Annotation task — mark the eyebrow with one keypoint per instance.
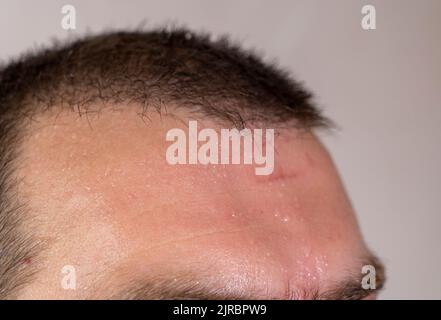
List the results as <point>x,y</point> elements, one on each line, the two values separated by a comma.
<point>352,288</point>
<point>191,286</point>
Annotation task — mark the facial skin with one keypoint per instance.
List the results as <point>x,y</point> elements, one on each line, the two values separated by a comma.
<point>105,201</point>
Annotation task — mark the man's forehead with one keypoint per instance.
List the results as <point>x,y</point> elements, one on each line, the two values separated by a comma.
<point>106,177</point>
<point>120,156</point>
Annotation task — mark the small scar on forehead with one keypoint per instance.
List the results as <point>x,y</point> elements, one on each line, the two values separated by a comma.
<point>280,174</point>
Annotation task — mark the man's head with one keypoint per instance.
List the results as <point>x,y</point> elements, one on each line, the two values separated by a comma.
<point>84,180</point>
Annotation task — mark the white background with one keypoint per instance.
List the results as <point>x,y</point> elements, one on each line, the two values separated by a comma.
<point>382,87</point>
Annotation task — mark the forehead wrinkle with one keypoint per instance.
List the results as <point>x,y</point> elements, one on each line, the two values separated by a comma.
<point>198,235</point>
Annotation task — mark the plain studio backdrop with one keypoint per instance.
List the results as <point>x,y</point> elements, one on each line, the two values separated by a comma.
<point>382,87</point>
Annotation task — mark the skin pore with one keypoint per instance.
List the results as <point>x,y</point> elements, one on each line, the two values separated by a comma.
<point>105,201</point>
